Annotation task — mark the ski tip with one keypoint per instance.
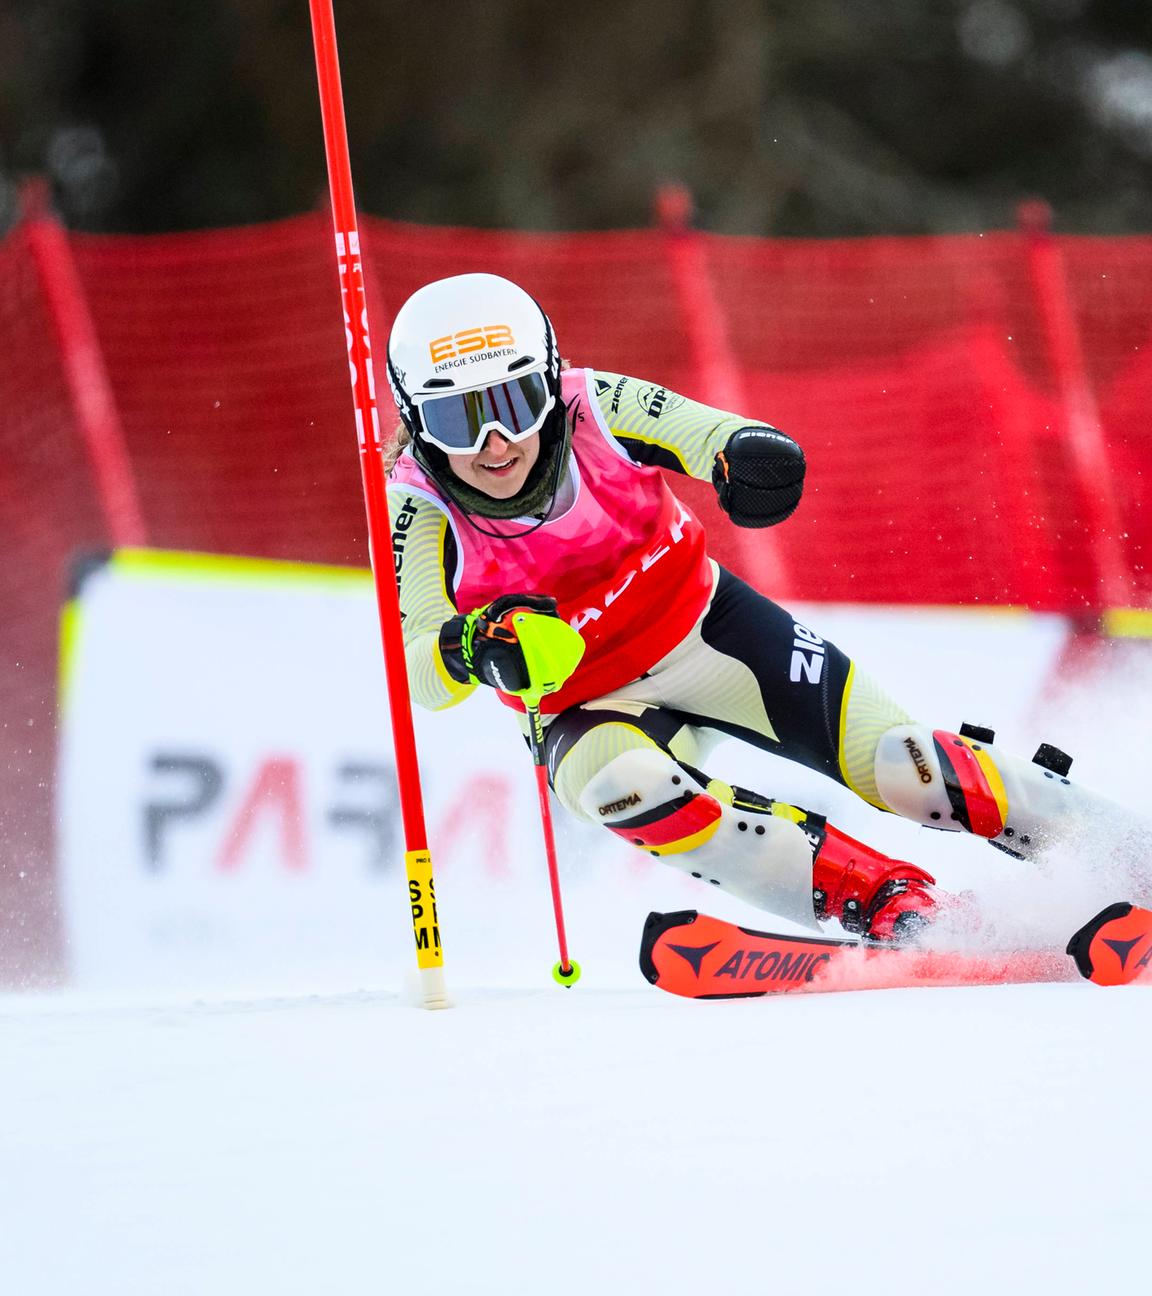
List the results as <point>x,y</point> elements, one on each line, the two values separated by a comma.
<point>1115,947</point>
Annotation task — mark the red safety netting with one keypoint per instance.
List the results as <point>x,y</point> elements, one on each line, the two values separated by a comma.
<point>921,376</point>
<point>47,513</point>
<point>917,374</point>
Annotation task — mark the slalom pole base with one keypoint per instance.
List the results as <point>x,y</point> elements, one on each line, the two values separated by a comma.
<point>566,979</point>
<point>429,989</point>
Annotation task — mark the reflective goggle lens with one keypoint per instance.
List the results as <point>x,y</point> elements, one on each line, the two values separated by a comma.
<point>459,422</point>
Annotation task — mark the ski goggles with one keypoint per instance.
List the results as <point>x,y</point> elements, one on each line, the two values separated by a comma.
<point>459,422</point>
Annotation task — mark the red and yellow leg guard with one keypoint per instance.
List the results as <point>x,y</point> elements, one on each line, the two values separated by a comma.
<point>705,829</point>
<point>964,783</point>
<point>961,783</point>
<point>972,783</point>
<point>674,827</point>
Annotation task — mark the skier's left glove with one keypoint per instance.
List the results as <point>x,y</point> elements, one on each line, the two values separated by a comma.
<point>518,643</point>
<point>759,476</point>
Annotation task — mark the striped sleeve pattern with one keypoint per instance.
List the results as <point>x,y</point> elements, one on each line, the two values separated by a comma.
<point>662,428</point>
<point>866,713</point>
<point>424,552</point>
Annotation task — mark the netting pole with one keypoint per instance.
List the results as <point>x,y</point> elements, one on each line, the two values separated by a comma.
<point>713,359</point>
<point>1009,415</point>
<point>1084,433</point>
<point>418,859</point>
<point>85,375</point>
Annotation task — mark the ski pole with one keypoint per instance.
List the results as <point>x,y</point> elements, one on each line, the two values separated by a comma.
<point>552,651</point>
<point>566,973</point>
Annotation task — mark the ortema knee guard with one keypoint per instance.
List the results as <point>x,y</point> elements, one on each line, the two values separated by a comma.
<point>648,799</point>
<point>961,783</point>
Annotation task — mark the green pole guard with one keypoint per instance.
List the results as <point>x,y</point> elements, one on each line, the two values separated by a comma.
<point>552,651</point>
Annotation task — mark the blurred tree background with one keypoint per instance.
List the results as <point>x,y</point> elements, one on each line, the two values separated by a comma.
<point>784,117</point>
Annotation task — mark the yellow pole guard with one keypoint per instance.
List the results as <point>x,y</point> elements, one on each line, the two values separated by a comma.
<point>552,651</point>
<point>422,895</point>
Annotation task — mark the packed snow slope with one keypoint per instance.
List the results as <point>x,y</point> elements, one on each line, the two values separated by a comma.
<point>546,1141</point>
<point>303,1133</point>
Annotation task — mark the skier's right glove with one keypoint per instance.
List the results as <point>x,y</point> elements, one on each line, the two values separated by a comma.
<point>484,646</point>
<point>759,476</point>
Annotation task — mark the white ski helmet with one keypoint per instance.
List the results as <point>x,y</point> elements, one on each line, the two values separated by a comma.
<point>469,354</point>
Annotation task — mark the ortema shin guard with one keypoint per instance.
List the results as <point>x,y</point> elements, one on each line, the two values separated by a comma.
<point>651,801</point>
<point>961,783</point>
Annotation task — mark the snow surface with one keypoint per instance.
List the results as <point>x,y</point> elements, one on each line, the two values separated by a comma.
<point>989,1139</point>
<point>329,1137</point>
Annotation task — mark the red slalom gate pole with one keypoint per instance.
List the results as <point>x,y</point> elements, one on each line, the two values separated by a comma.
<point>417,857</point>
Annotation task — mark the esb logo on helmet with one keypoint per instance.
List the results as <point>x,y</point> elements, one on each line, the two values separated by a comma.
<point>469,340</point>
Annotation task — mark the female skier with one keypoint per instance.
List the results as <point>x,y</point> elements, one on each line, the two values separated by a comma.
<point>524,486</point>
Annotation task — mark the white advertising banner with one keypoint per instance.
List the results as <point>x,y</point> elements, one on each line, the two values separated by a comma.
<point>228,808</point>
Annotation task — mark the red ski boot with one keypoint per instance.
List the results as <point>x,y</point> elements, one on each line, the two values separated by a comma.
<point>879,898</point>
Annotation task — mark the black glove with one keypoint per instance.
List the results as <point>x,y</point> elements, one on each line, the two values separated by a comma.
<point>759,476</point>
<point>482,647</point>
